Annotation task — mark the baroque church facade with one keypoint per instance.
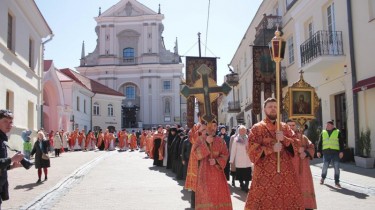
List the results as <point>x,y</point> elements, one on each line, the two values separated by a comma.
<point>131,58</point>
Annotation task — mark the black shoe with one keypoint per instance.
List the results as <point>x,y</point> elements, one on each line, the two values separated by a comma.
<point>338,185</point>
<point>322,181</point>
<point>233,184</point>
<point>39,181</point>
<point>45,178</point>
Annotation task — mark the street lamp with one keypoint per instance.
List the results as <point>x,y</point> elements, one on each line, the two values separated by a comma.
<point>233,80</point>
<point>277,49</point>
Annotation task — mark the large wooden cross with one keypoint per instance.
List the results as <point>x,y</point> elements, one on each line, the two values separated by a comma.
<point>205,90</point>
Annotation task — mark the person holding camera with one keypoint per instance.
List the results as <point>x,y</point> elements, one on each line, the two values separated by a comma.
<point>6,123</point>
<point>40,150</point>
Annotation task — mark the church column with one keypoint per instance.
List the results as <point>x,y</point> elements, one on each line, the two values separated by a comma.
<point>145,37</point>
<point>111,39</point>
<point>102,39</point>
<point>155,38</point>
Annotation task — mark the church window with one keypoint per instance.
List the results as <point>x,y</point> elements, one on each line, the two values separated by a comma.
<point>110,110</point>
<point>128,55</point>
<point>149,35</point>
<point>107,37</point>
<point>96,109</point>
<point>166,85</point>
<point>149,50</point>
<point>167,106</point>
<point>130,92</point>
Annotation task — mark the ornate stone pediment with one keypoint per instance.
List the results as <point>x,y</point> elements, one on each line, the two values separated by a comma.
<point>128,8</point>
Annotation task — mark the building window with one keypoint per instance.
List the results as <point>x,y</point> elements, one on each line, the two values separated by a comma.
<point>9,104</point>
<point>77,103</point>
<point>130,92</point>
<point>128,55</point>
<point>310,29</point>
<point>372,9</point>
<point>30,115</point>
<point>96,109</point>
<point>110,110</point>
<point>290,50</point>
<point>276,10</point>
<point>290,3</point>
<point>10,32</point>
<point>331,17</point>
<point>31,53</point>
<point>84,106</point>
<point>167,85</point>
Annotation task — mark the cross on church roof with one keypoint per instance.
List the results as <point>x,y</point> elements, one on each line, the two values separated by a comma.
<point>206,91</point>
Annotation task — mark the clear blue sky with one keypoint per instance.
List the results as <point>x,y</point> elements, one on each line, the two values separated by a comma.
<point>72,21</point>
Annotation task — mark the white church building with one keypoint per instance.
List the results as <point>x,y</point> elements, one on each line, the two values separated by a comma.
<point>130,57</point>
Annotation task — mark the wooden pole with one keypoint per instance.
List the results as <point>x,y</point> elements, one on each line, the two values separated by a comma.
<point>278,107</point>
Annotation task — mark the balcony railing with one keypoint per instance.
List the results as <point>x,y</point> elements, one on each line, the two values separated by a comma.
<point>129,60</point>
<point>265,31</point>
<point>322,43</point>
<point>234,107</point>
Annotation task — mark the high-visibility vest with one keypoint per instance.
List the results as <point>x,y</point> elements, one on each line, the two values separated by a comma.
<point>331,142</point>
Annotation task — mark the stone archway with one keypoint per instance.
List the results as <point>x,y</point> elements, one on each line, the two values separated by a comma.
<point>50,105</point>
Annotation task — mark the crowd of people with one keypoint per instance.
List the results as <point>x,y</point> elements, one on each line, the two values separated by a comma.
<point>207,156</point>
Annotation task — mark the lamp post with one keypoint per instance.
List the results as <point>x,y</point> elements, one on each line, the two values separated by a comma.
<point>233,80</point>
<point>277,49</point>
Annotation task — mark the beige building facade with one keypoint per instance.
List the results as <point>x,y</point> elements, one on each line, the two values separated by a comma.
<point>334,57</point>
<point>22,38</point>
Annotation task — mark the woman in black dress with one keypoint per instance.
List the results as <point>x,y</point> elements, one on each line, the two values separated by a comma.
<point>40,148</point>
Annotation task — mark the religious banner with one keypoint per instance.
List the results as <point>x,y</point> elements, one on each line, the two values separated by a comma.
<point>192,64</point>
<point>264,71</point>
<point>206,91</point>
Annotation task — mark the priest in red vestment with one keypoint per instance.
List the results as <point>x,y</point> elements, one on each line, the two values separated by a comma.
<point>192,170</point>
<point>212,188</point>
<point>271,189</point>
<point>301,164</point>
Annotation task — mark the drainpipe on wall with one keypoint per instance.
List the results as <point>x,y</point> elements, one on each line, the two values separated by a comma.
<point>41,79</point>
<point>354,75</point>
<point>91,128</point>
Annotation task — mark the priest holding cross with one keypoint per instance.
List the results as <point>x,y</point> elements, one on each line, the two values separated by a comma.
<point>212,191</point>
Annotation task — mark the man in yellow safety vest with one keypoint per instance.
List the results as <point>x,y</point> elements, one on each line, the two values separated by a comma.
<point>331,145</point>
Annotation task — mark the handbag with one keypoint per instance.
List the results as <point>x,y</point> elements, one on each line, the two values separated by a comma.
<point>45,156</point>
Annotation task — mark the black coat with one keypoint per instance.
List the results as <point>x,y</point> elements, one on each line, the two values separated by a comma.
<point>39,161</point>
<point>4,166</point>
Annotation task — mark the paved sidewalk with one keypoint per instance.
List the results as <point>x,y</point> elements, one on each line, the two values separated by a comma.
<point>126,180</point>
<point>22,183</point>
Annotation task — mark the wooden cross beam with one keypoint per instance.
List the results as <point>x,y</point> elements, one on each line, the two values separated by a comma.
<point>205,90</point>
